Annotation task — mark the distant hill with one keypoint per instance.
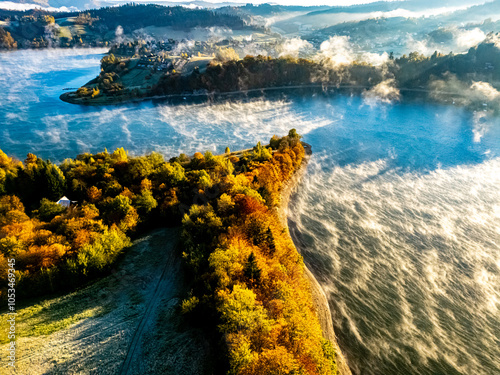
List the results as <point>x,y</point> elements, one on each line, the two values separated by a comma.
<point>266,10</point>
<point>97,27</point>
<point>410,9</point>
<point>262,9</point>
<point>69,4</point>
<point>478,12</point>
<point>387,6</point>
<point>454,31</point>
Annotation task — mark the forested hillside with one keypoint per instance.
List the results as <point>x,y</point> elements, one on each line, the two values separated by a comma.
<point>97,27</point>
<point>135,16</point>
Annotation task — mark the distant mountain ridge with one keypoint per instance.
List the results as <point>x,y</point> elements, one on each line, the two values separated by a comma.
<point>387,6</point>
<point>263,9</point>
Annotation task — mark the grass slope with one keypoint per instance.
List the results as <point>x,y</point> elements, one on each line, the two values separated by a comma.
<point>91,330</point>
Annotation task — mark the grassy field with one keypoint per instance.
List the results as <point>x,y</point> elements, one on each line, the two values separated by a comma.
<point>92,330</point>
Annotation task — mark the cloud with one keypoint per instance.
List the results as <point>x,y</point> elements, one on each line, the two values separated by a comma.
<point>374,58</point>
<point>119,34</point>
<point>217,33</point>
<point>9,5</point>
<point>481,125</point>
<point>493,38</point>
<point>385,92</point>
<point>447,39</point>
<point>422,46</point>
<point>183,47</point>
<point>336,54</point>
<point>484,90</point>
<point>476,95</point>
<point>336,51</point>
<point>469,38</point>
<point>255,49</point>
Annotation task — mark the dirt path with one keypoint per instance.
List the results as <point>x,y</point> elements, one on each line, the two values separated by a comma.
<point>162,287</point>
<point>165,290</point>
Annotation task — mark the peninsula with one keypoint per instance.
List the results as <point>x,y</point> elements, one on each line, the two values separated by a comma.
<point>249,290</point>
<point>465,79</point>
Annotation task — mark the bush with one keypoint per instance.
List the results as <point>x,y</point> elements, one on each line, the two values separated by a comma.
<point>94,258</point>
<point>49,210</point>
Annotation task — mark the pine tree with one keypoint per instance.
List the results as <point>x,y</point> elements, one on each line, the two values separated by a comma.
<point>270,241</point>
<point>252,270</point>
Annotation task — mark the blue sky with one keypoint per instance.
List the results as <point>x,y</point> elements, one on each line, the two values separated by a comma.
<point>29,4</point>
<point>297,2</point>
<point>283,2</point>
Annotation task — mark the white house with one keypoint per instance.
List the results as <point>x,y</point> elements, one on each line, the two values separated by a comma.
<point>64,202</point>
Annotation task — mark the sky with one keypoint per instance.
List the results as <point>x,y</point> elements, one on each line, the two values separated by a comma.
<point>14,5</point>
<point>297,2</point>
<point>65,4</point>
<point>294,2</point>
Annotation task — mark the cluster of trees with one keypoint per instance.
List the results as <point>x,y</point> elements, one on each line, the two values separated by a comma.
<point>6,40</point>
<point>131,49</point>
<point>248,284</point>
<point>85,19</point>
<point>265,72</point>
<point>234,75</point>
<point>54,247</point>
<point>479,63</point>
<point>108,81</point>
<point>30,29</point>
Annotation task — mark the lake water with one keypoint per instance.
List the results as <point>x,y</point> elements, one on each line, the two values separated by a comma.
<point>398,216</point>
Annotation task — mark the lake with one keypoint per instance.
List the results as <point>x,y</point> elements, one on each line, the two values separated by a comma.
<point>398,215</point>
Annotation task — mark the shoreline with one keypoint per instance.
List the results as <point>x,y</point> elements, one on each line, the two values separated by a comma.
<point>67,97</point>
<point>319,297</point>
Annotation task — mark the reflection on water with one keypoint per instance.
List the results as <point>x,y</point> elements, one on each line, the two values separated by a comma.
<point>399,214</point>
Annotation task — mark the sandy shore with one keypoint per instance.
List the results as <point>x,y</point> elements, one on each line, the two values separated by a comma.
<point>319,297</point>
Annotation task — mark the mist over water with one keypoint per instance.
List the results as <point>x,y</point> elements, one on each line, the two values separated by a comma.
<point>409,261</point>
<point>399,213</point>
<point>33,119</point>
<point>399,216</point>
